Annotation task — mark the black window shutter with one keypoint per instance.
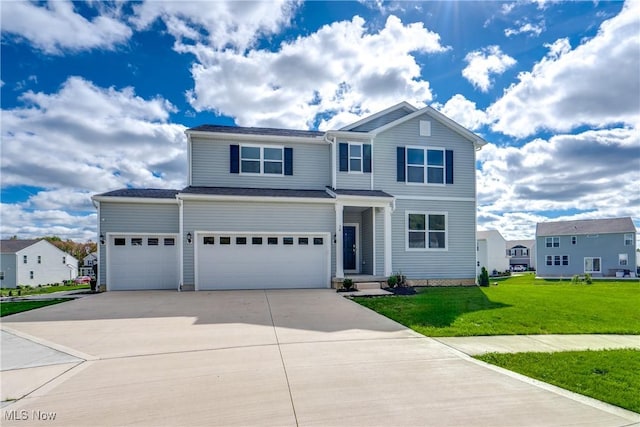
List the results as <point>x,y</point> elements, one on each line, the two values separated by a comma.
<point>234,159</point>
<point>449,166</point>
<point>366,158</point>
<point>344,157</point>
<point>401,159</point>
<point>288,161</point>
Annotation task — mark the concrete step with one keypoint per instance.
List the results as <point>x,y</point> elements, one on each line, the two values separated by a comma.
<point>367,285</point>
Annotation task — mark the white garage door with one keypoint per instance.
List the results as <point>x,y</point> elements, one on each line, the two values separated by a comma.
<point>262,261</point>
<point>146,261</point>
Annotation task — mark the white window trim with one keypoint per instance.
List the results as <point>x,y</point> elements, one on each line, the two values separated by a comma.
<point>623,257</point>
<point>546,240</point>
<point>592,258</point>
<point>349,157</point>
<point>630,240</point>
<point>261,160</point>
<point>425,165</point>
<point>548,261</point>
<point>426,231</point>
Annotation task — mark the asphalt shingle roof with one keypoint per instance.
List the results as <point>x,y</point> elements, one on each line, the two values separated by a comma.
<point>586,226</point>
<point>364,193</point>
<point>13,246</point>
<point>150,193</point>
<point>256,192</point>
<point>258,131</point>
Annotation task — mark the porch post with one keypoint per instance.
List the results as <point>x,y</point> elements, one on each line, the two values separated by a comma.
<point>387,241</point>
<point>339,250</point>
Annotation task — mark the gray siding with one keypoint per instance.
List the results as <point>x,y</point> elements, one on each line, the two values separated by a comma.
<point>382,120</point>
<point>408,133</point>
<point>210,167</point>
<point>8,267</point>
<point>458,262</point>
<point>135,218</point>
<point>258,217</point>
<point>367,242</point>
<point>605,246</point>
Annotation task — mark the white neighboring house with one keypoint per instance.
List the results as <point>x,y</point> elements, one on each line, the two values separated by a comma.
<point>34,262</point>
<point>492,252</point>
<point>87,264</point>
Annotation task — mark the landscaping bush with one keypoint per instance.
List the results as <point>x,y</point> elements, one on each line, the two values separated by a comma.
<point>392,281</point>
<point>483,278</point>
<point>347,284</point>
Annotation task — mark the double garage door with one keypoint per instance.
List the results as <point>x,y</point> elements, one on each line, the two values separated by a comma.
<point>147,261</point>
<point>262,261</point>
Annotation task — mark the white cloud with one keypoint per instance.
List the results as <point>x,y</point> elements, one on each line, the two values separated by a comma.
<point>594,172</point>
<point>219,24</point>
<point>596,84</point>
<point>482,63</point>
<point>328,77</point>
<point>55,27</point>
<point>84,140</point>
<point>526,28</point>
<point>463,111</point>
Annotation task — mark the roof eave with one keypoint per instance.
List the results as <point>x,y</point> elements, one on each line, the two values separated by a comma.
<point>228,136</point>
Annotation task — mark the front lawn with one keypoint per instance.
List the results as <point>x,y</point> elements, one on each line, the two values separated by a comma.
<point>13,307</point>
<point>42,290</point>
<point>517,306</point>
<point>612,376</point>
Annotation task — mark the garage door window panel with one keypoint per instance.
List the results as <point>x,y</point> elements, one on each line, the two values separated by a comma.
<point>272,240</point>
<point>152,241</point>
<point>118,241</point>
<point>170,241</point>
<point>287,241</point>
<point>225,240</point>
<point>209,240</point>
<point>256,240</point>
<point>241,240</point>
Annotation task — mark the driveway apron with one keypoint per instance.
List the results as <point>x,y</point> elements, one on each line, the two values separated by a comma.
<point>272,358</point>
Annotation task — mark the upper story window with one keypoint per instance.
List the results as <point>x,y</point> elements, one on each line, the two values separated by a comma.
<point>628,239</point>
<point>261,160</point>
<point>354,157</point>
<point>574,240</point>
<point>552,242</point>
<point>24,259</point>
<point>39,259</point>
<point>425,165</point>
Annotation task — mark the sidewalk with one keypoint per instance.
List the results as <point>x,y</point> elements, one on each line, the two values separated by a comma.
<point>538,343</point>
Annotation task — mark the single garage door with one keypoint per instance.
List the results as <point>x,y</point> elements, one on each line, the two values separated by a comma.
<point>262,261</point>
<point>146,261</point>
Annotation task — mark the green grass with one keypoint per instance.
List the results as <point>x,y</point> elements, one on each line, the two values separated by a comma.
<point>13,307</point>
<point>43,290</point>
<point>612,376</point>
<point>518,305</point>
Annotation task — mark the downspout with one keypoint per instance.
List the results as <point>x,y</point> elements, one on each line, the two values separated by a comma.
<point>181,249</point>
<point>189,172</point>
<point>99,228</point>
<point>332,142</point>
<point>371,143</point>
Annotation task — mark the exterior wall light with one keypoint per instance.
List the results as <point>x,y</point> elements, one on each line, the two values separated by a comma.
<point>102,238</point>
<point>189,237</point>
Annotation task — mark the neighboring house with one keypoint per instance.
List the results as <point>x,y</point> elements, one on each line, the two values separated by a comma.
<point>600,247</point>
<point>521,254</point>
<point>277,208</point>
<point>34,262</point>
<point>87,264</point>
<point>491,248</point>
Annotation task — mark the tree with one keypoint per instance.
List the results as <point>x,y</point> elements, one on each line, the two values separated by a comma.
<point>483,279</point>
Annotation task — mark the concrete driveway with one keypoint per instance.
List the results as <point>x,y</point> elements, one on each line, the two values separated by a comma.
<point>276,358</point>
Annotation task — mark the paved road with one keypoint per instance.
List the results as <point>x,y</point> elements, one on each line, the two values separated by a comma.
<point>285,358</point>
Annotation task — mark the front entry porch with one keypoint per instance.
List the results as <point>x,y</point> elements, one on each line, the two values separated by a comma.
<point>361,281</point>
<point>362,236</point>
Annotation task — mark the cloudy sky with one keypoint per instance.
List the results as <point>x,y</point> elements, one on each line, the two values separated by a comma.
<point>96,95</point>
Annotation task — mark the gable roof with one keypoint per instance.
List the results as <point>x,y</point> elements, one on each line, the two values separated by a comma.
<point>586,226</point>
<point>527,243</point>
<point>484,234</point>
<point>408,108</point>
<point>13,246</point>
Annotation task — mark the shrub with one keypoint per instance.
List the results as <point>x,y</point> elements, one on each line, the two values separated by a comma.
<point>483,278</point>
<point>575,279</point>
<point>587,279</point>
<point>347,284</point>
<point>392,281</point>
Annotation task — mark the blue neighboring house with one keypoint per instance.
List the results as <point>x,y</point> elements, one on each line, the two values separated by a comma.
<point>600,247</point>
<point>280,208</point>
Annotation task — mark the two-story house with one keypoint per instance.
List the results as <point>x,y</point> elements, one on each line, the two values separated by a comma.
<point>277,208</point>
<point>88,262</point>
<point>600,247</point>
<point>34,262</point>
<point>521,254</point>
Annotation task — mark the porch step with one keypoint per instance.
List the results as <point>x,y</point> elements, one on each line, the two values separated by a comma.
<point>368,285</point>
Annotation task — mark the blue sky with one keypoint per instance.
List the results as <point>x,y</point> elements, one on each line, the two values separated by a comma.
<point>96,96</point>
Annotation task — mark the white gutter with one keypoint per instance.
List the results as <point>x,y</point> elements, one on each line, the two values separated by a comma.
<point>332,142</point>
<point>259,138</point>
<point>148,200</point>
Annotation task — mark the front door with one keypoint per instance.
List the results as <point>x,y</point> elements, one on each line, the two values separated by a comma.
<point>349,247</point>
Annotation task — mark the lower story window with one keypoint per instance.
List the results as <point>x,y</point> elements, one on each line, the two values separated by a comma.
<point>31,275</point>
<point>623,259</point>
<point>426,230</point>
<point>592,265</point>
